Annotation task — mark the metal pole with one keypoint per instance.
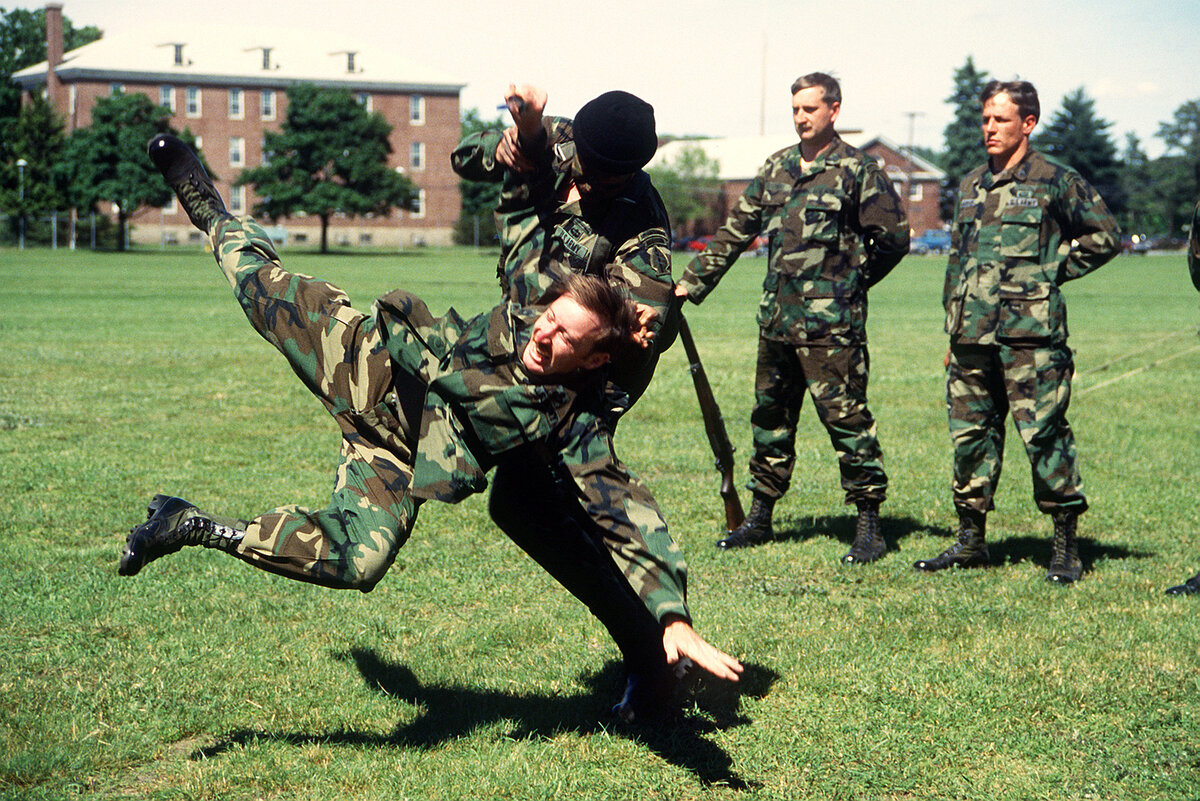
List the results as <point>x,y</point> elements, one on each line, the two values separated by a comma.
<point>21,183</point>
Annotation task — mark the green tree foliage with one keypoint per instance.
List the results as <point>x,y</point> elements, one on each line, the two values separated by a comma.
<point>1182,136</point>
<point>688,185</point>
<point>1142,212</point>
<point>964,150</point>
<point>1076,136</point>
<point>329,158</point>
<point>23,44</point>
<point>477,223</point>
<point>37,137</point>
<point>107,160</point>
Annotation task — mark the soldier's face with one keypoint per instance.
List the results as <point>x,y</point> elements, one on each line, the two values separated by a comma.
<point>598,185</point>
<point>563,340</point>
<point>1005,132</point>
<point>814,117</point>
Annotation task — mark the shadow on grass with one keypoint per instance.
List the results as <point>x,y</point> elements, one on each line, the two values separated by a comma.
<point>450,712</point>
<point>841,528</point>
<point>1037,550</point>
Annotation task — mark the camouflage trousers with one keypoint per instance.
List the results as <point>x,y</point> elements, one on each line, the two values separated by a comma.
<point>983,384</point>
<point>836,378</point>
<point>337,352</point>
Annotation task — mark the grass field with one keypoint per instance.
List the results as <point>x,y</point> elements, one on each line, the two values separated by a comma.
<point>469,674</point>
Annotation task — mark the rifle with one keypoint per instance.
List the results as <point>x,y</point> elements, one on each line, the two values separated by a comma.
<point>714,427</point>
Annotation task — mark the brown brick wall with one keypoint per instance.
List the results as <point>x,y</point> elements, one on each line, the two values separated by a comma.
<point>214,128</point>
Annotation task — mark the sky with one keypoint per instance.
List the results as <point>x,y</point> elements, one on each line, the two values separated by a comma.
<point>724,67</point>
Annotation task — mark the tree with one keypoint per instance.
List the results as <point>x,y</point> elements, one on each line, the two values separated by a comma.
<point>329,158</point>
<point>1182,135</point>
<point>964,151</point>
<point>477,223</point>
<point>107,160</point>
<point>1076,136</point>
<point>23,44</point>
<point>37,137</point>
<point>688,185</point>
<point>1142,211</point>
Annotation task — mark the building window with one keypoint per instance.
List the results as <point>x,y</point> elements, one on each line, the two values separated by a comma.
<point>166,97</point>
<point>178,54</point>
<point>171,207</point>
<point>236,109</point>
<point>237,151</point>
<point>416,156</point>
<point>266,51</point>
<point>416,110</point>
<point>364,100</point>
<point>417,212</point>
<point>237,200</point>
<point>916,191</point>
<point>193,101</point>
<point>267,105</point>
<point>116,88</point>
<point>72,98</point>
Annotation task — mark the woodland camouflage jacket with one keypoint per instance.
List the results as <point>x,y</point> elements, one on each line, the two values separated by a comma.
<point>1018,235</point>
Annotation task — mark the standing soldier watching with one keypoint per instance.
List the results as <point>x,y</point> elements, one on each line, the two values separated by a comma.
<point>835,227</point>
<point>1192,585</point>
<point>1025,224</point>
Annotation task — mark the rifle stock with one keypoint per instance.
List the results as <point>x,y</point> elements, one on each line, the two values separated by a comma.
<point>714,427</point>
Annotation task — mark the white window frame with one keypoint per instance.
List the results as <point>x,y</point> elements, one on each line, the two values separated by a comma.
<point>166,97</point>
<point>364,100</point>
<point>195,106</point>
<point>416,110</point>
<point>237,200</point>
<point>237,151</point>
<point>419,212</point>
<point>266,104</point>
<point>416,156</point>
<point>237,104</point>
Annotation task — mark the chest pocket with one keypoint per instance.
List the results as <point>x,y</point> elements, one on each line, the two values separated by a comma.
<point>574,241</point>
<point>1020,232</point>
<point>821,216</point>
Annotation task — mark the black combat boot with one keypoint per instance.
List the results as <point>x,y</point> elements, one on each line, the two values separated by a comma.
<point>868,543</point>
<point>970,550</point>
<point>1189,587</point>
<point>1065,564</point>
<point>172,523</point>
<point>185,174</point>
<point>755,528</point>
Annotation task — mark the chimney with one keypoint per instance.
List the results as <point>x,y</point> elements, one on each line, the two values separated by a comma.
<point>54,52</point>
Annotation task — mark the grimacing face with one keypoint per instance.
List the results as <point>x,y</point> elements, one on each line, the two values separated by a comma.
<point>563,340</point>
<point>1005,132</point>
<point>814,118</point>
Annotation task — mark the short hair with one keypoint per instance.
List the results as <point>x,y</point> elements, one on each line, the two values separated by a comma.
<point>615,311</point>
<point>1022,93</point>
<point>833,90</point>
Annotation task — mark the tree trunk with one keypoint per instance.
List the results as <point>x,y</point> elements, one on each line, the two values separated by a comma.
<point>324,233</point>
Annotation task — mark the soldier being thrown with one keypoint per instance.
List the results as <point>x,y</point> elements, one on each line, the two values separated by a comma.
<point>1025,224</point>
<point>426,406</point>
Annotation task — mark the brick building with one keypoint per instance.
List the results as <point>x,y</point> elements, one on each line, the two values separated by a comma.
<point>228,86</point>
<point>917,181</point>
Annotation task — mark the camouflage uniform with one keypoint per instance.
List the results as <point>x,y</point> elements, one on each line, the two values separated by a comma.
<point>625,241</point>
<point>426,406</point>
<point>1018,235</point>
<point>833,229</point>
<point>1194,248</point>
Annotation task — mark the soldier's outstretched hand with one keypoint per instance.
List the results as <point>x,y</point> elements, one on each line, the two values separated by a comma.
<point>681,641</point>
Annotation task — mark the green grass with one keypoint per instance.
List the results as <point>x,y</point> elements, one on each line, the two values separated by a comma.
<point>469,674</point>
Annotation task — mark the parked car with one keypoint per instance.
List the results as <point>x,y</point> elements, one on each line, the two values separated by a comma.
<point>1136,243</point>
<point>933,240</point>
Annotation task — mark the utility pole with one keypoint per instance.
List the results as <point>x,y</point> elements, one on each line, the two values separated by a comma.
<point>908,169</point>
